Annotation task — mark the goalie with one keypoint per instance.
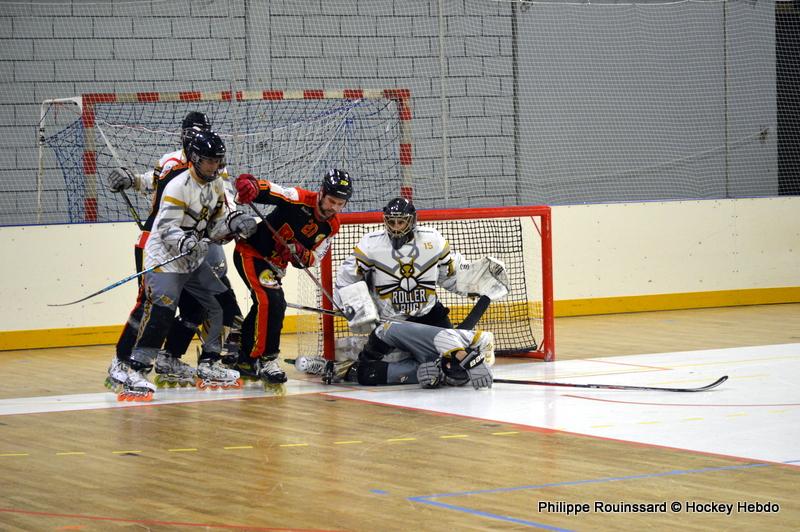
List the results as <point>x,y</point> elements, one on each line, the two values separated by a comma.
<point>428,355</point>
<point>402,265</point>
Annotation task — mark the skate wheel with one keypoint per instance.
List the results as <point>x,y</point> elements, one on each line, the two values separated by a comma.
<point>120,397</point>
<point>146,398</point>
<point>201,385</point>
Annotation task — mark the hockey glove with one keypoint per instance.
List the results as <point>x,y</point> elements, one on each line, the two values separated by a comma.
<point>119,179</point>
<point>246,189</point>
<point>429,374</point>
<point>479,373</point>
<point>297,254</point>
<point>241,224</point>
<point>197,247</point>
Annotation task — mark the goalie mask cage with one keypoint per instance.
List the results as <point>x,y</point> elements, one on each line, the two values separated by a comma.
<point>522,322</point>
<point>290,137</point>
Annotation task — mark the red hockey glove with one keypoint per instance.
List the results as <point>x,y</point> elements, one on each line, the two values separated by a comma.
<point>297,254</point>
<point>246,189</point>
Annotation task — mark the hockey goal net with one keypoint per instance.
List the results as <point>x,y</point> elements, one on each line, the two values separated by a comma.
<point>522,322</point>
<point>289,137</point>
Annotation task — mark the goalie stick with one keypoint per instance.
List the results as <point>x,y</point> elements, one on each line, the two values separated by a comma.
<point>121,281</point>
<point>615,386</point>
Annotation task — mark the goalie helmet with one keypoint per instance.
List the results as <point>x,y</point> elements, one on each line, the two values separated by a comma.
<point>337,183</point>
<point>206,145</point>
<point>193,122</point>
<point>400,219</point>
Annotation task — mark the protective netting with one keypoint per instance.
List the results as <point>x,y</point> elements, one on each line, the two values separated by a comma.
<point>514,103</point>
<point>289,141</point>
<point>517,321</point>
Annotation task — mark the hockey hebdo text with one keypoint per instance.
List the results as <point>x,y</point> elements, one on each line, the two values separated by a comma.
<point>689,507</point>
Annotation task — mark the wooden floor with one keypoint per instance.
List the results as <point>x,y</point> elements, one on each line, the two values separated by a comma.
<point>313,462</point>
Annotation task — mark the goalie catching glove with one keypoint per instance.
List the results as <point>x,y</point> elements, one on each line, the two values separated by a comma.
<point>241,224</point>
<point>358,307</point>
<point>120,179</point>
<point>485,277</point>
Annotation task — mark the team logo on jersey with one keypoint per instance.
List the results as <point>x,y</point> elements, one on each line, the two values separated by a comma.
<point>267,279</point>
<point>310,228</point>
<point>206,196</point>
<point>407,294</point>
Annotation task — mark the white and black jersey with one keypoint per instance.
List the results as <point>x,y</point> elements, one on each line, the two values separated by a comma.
<point>187,204</point>
<point>403,280</point>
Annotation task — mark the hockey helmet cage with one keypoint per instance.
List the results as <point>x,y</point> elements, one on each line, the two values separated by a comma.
<point>206,145</point>
<point>337,183</point>
<point>193,121</point>
<point>400,209</point>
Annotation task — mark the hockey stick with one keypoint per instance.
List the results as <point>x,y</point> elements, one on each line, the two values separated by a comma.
<point>125,197</point>
<point>477,312</point>
<point>122,281</point>
<point>315,309</point>
<point>132,209</point>
<point>282,242</point>
<point>616,386</point>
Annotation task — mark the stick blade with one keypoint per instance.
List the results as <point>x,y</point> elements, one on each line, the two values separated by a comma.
<point>614,386</point>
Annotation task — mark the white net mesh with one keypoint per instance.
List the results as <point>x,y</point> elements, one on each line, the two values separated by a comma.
<point>513,102</point>
<point>289,138</point>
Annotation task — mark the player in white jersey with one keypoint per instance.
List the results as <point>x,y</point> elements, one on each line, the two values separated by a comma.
<point>169,366</point>
<point>192,211</point>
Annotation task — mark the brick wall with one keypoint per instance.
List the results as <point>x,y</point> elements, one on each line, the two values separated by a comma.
<point>63,49</point>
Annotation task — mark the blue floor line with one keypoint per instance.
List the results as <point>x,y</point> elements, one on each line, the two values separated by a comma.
<point>427,499</point>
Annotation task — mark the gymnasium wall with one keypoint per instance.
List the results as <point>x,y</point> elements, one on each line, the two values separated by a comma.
<point>607,258</point>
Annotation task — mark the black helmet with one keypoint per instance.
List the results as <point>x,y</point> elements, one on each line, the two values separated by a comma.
<point>400,209</point>
<point>337,183</point>
<point>193,121</point>
<point>205,145</point>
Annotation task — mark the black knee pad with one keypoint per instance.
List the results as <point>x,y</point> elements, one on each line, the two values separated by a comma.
<point>230,308</point>
<point>374,349</point>
<point>181,333</point>
<point>155,325</point>
<point>372,372</point>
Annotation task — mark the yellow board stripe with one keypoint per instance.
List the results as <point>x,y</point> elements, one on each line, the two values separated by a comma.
<point>108,334</point>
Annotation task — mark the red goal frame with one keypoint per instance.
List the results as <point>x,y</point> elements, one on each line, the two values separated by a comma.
<point>546,348</point>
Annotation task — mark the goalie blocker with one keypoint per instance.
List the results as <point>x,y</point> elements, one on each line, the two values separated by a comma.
<point>358,307</point>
